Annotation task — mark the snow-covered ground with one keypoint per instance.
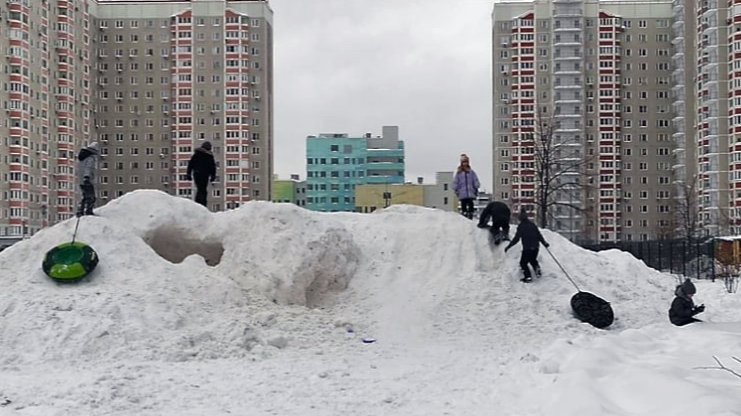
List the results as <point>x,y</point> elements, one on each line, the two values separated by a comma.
<point>263,311</point>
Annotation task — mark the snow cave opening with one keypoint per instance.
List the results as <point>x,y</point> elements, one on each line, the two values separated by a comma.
<point>175,244</point>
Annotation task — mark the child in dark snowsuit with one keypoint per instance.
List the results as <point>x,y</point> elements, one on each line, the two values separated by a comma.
<point>202,169</point>
<point>531,240</point>
<point>683,309</point>
<point>499,214</point>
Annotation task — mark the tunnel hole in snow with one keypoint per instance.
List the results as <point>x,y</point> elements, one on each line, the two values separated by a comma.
<point>175,244</point>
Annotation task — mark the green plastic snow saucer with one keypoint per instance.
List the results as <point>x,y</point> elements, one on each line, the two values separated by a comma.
<point>70,262</point>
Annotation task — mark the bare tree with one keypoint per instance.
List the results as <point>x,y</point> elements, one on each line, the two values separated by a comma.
<point>725,221</point>
<point>666,229</point>
<point>559,168</point>
<point>687,209</point>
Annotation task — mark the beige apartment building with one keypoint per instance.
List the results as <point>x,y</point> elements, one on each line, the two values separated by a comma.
<point>707,78</point>
<point>684,113</point>
<point>595,79</point>
<point>149,81</point>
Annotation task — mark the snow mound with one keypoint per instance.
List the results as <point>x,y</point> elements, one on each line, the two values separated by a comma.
<point>174,281</point>
<point>177,282</point>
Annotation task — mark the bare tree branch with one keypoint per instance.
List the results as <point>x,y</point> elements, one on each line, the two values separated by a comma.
<point>559,168</point>
<point>687,207</point>
<point>721,367</point>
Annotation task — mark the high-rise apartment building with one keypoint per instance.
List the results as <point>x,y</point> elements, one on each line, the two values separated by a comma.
<point>46,102</point>
<point>594,80</point>
<point>727,43</point>
<point>708,114</point>
<point>715,102</point>
<point>149,81</point>
<point>174,74</point>
<point>336,163</point>
<point>684,112</point>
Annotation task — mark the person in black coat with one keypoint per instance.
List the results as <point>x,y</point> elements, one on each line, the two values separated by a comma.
<point>531,240</point>
<point>201,170</point>
<point>499,214</point>
<point>683,309</point>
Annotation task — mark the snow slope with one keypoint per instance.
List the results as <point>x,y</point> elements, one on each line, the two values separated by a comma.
<point>261,310</point>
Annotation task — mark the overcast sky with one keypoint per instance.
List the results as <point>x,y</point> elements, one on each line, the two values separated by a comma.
<point>353,66</point>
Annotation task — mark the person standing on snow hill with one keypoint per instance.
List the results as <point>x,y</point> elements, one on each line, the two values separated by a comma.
<point>87,164</point>
<point>499,214</point>
<point>531,240</point>
<point>201,170</point>
<point>466,186</point>
<point>683,309</point>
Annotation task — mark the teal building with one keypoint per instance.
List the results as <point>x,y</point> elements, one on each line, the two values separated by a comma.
<point>336,163</point>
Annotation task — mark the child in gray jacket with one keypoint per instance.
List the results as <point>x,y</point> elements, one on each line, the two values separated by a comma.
<point>87,164</point>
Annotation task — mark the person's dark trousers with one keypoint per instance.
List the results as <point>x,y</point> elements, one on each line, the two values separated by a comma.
<point>529,256</point>
<point>502,227</point>
<point>467,208</point>
<point>687,321</point>
<point>202,191</point>
<point>88,199</point>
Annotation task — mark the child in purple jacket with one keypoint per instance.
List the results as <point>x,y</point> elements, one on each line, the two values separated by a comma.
<point>466,186</point>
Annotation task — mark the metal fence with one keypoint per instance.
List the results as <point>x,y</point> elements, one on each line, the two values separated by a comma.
<point>695,258</point>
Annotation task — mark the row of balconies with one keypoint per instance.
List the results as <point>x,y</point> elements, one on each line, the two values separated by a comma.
<point>567,29</point>
<point>567,72</point>
<point>382,179</point>
<point>577,56</point>
<point>572,43</point>
<point>391,153</point>
<point>568,115</point>
<point>678,61</point>
<point>563,12</point>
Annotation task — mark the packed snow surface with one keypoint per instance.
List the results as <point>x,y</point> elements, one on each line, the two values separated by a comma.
<point>264,310</point>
